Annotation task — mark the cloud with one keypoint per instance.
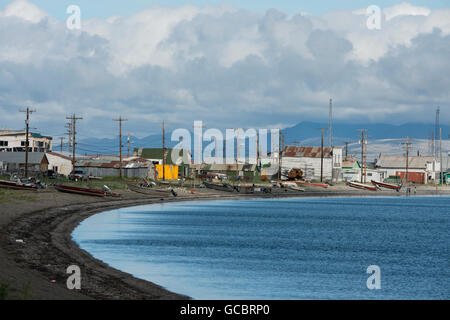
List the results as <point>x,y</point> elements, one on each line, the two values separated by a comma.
<point>226,66</point>
<point>24,10</point>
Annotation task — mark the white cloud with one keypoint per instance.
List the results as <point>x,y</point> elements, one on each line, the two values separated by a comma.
<point>224,65</point>
<point>24,10</point>
<point>405,9</point>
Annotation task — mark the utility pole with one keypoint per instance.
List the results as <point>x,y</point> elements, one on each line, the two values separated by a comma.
<point>27,141</point>
<point>280,153</point>
<point>62,142</point>
<point>120,120</point>
<point>74,119</point>
<point>330,126</point>
<point>346,150</point>
<point>237,153</point>
<point>440,155</point>
<point>362,152</point>
<point>321,157</point>
<point>407,143</point>
<point>436,132</point>
<point>257,149</point>
<point>365,158</point>
<point>164,151</point>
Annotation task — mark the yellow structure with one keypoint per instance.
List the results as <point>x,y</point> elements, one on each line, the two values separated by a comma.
<point>171,172</point>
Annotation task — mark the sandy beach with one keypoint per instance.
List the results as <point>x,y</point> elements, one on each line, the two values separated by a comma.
<point>36,247</point>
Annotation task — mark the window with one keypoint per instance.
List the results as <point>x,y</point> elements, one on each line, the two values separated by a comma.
<point>3,143</point>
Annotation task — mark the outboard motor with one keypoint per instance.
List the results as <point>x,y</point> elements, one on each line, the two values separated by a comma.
<point>107,189</point>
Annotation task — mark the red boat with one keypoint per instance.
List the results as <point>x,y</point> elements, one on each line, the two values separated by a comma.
<point>310,184</point>
<point>86,191</point>
<point>361,186</point>
<point>386,185</point>
<point>17,185</point>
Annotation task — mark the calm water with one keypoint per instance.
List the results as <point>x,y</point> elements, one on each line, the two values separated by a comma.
<point>281,249</point>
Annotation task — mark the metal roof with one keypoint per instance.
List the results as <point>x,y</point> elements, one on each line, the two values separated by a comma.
<point>101,163</point>
<point>59,155</point>
<point>414,162</point>
<point>349,163</point>
<point>306,152</point>
<point>19,157</point>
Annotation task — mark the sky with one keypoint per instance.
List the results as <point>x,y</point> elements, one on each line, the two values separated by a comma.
<point>258,64</point>
<point>107,8</point>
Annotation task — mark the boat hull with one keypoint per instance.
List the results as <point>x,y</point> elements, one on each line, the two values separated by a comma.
<point>360,186</point>
<point>150,191</point>
<point>218,187</point>
<point>386,185</point>
<point>17,186</point>
<point>309,184</point>
<point>82,191</point>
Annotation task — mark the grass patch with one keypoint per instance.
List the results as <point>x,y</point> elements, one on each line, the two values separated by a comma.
<point>7,195</point>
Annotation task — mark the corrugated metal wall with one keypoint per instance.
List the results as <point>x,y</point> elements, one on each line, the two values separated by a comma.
<point>310,166</point>
<point>115,172</point>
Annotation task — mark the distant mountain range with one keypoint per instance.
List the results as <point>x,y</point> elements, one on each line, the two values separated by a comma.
<point>304,133</point>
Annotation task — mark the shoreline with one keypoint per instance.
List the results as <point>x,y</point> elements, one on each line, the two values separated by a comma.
<point>29,268</point>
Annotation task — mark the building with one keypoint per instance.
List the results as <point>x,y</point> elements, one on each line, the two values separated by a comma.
<point>14,162</point>
<point>131,167</point>
<point>155,155</point>
<point>15,141</point>
<point>421,169</point>
<point>59,163</point>
<point>351,170</point>
<point>308,159</point>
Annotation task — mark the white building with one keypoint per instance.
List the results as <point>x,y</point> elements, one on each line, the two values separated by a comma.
<point>420,169</point>
<point>308,159</point>
<point>15,141</point>
<point>59,163</point>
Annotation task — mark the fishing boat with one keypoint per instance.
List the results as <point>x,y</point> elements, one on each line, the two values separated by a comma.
<point>310,184</point>
<point>395,187</point>
<point>18,185</point>
<point>361,186</point>
<point>219,187</point>
<point>151,191</point>
<point>86,191</point>
<point>295,188</point>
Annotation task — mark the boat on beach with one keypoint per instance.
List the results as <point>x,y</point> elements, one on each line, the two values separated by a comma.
<point>17,185</point>
<point>295,188</point>
<point>395,187</point>
<point>219,187</point>
<point>310,184</point>
<point>150,191</point>
<point>86,191</point>
<point>361,186</point>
